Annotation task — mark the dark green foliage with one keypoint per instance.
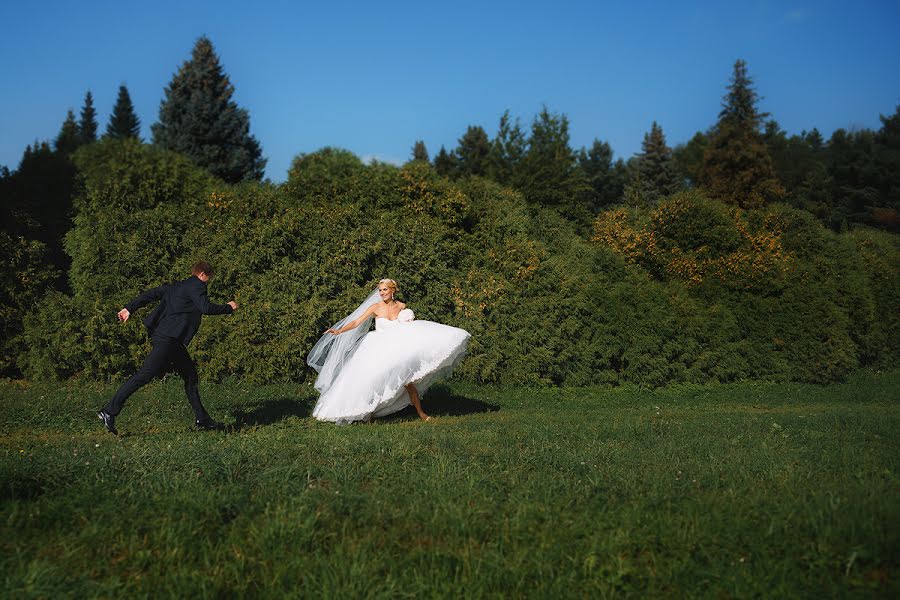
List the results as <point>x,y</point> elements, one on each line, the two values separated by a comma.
<point>37,201</point>
<point>473,153</point>
<point>802,300</point>
<point>445,163</point>
<point>87,126</point>
<point>851,165</point>
<point>199,119</point>
<point>657,177</point>
<point>688,159</point>
<point>737,167</point>
<point>605,177</point>
<point>419,151</point>
<point>551,174</point>
<point>712,294</point>
<point>739,104</point>
<point>123,122</point>
<point>508,150</point>
<point>68,139</point>
<point>137,204</point>
<point>799,161</point>
<point>887,159</point>
<point>25,275</point>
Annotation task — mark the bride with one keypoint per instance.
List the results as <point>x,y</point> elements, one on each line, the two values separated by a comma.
<point>366,374</point>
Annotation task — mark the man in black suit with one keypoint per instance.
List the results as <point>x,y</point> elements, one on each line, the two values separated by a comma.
<point>171,325</point>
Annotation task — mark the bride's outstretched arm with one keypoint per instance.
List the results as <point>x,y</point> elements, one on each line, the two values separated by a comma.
<point>354,323</point>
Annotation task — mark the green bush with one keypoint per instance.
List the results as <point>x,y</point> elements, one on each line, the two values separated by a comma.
<point>25,273</point>
<point>687,291</point>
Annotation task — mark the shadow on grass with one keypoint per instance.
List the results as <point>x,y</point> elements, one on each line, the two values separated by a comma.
<point>272,411</point>
<point>441,402</point>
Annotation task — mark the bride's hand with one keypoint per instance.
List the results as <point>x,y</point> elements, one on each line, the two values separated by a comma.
<point>332,331</point>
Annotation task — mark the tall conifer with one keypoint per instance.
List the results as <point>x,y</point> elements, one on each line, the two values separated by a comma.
<point>507,151</point>
<point>606,178</point>
<point>445,163</point>
<point>657,173</point>
<point>198,118</point>
<point>123,122</point>
<point>87,126</point>
<point>67,140</point>
<point>552,176</point>
<point>419,151</point>
<point>474,148</point>
<point>737,167</point>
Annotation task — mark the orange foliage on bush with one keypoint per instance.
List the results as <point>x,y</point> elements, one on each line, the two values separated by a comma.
<point>728,250</point>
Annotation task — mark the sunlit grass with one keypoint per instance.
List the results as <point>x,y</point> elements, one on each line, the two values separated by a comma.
<point>725,491</point>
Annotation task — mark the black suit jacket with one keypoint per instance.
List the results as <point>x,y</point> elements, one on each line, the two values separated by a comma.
<point>181,304</point>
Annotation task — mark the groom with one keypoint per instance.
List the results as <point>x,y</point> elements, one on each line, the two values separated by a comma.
<point>171,326</point>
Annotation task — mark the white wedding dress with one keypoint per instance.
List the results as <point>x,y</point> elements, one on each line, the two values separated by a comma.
<point>384,361</point>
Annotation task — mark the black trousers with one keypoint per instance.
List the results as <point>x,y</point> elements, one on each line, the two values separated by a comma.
<point>166,353</point>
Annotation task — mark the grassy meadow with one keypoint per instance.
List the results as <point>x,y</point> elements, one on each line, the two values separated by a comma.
<point>743,490</point>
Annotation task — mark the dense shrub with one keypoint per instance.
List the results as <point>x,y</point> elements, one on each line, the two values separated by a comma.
<point>686,291</point>
<point>805,297</point>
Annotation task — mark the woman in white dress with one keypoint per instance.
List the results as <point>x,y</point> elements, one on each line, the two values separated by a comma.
<point>365,374</point>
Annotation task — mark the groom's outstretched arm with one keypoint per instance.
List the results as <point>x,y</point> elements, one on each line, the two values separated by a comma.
<point>201,301</point>
<point>141,300</point>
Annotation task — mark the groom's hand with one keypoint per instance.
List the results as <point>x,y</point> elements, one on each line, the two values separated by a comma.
<point>124,314</point>
<point>233,305</point>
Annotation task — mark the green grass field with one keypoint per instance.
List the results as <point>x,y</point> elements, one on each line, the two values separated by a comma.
<point>721,491</point>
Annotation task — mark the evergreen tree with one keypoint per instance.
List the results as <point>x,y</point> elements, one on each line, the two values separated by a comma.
<point>737,167</point>
<point>851,163</point>
<point>473,152</point>
<point>551,173</point>
<point>419,151</point>
<point>605,177</point>
<point>657,172</point>
<point>199,119</point>
<point>67,140</point>
<point>688,159</point>
<point>887,162</point>
<point>507,152</point>
<point>123,122</point>
<point>87,126</point>
<point>815,141</point>
<point>37,199</point>
<point>445,163</point>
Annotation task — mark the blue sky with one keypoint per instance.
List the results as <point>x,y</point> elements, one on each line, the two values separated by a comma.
<point>374,77</point>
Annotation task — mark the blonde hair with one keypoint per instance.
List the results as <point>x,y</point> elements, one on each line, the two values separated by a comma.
<point>391,284</point>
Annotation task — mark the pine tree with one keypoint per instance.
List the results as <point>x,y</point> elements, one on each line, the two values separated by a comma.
<point>852,166</point>
<point>472,152</point>
<point>68,138</point>
<point>552,177</point>
<point>419,152</point>
<point>123,122</point>
<point>445,163</point>
<point>737,167</point>
<point>887,162</point>
<point>198,118</point>
<point>507,152</point>
<point>688,158</point>
<point>815,140</point>
<point>606,178</point>
<point>657,172</point>
<point>87,126</point>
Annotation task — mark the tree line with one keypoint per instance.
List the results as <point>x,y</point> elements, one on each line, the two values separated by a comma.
<point>745,159</point>
<point>714,237</point>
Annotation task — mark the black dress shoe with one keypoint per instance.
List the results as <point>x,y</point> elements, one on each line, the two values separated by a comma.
<point>109,421</point>
<point>209,425</point>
